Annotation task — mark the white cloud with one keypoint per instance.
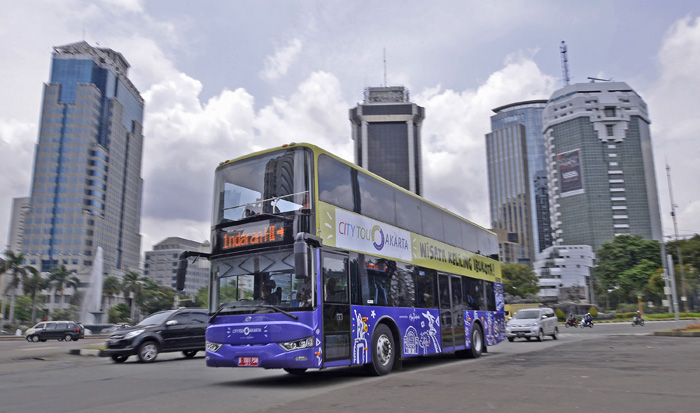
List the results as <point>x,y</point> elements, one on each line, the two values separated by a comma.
<point>186,139</point>
<point>16,156</point>
<point>673,107</point>
<point>454,149</point>
<point>127,5</point>
<point>278,64</point>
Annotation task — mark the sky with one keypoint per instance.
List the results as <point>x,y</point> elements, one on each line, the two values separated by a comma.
<point>221,79</point>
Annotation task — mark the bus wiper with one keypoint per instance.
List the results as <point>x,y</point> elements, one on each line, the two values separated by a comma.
<point>290,315</point>
<point>221,308</point>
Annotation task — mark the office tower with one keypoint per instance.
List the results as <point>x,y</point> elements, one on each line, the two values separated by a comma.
<point>87,186</point>
<point>161,264</point>
<point>20,207</point>
<point>600,165</point>
<point>564,271</point>
<point>517,174</point>
<point>386,130</point>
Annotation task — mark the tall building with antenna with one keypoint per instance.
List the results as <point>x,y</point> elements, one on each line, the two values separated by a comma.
<point>600,165</point>
<point>386,129</point>
<point>87,186</point>
<point>517,178</point>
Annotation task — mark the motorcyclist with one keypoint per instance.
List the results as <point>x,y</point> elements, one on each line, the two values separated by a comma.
<point>588,318</point>
<point>572,319</point>
<point>638,317</point>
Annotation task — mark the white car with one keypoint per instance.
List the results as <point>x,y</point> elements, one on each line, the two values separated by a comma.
<point>532,322</point>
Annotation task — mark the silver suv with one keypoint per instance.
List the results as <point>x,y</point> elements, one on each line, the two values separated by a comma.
<point>532,322</point>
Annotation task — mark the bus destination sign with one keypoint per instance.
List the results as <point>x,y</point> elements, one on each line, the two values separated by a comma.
<point>254,234</point>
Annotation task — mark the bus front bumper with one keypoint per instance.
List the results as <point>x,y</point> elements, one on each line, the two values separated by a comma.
<point>268,356</point>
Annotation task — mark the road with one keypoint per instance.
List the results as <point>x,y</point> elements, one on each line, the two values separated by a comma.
<point>609,367</point>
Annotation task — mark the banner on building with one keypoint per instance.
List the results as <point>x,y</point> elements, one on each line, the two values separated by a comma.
<point>569,164</point>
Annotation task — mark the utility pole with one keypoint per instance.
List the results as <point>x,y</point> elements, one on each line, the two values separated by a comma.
<point>678,243</point>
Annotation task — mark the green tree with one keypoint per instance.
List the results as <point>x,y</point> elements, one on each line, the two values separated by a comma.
<point>132,286</point>
<point>111,287</point>
<point>201,299</point>
<point>62,278</point>
<point>519,279</point>
<point>13,265</point>
<point>626,264</point>
<point>119,313</point>
<point>33,284</point>
<point>155,297</point>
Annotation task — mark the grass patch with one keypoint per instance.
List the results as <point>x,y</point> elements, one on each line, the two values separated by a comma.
<point>691,327</point>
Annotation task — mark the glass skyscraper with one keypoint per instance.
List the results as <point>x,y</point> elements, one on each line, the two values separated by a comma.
<point>600,165</point>
<point>87,186</point>
<point>386,130</point>
<point>517,175</point>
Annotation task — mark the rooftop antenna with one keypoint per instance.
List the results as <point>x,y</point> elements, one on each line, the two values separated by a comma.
<point>564,63</point>
<point>385,67</point>
<point>594,79</point>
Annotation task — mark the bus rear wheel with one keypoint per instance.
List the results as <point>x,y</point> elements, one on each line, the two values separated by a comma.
<point>477,342</point>
<point>383,353</point>
<point>295,371</point>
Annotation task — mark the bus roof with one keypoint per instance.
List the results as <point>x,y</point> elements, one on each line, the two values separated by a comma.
<point>319,150</point>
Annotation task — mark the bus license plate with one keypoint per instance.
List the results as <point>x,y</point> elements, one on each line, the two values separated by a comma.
<point>247,361</point>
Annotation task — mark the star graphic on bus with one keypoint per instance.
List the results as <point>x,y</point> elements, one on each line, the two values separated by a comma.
<point>373,314</point>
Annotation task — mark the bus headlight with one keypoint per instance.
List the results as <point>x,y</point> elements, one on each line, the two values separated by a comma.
<point>213,347</point>
<point>298,344</point>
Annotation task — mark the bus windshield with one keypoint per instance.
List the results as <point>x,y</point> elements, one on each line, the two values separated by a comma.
<point>272,183</point>
<point>261,282</point>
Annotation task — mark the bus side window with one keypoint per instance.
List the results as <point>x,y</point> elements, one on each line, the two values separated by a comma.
<point>425,288</point>
<point>473,296</point>
<point>490,299</point>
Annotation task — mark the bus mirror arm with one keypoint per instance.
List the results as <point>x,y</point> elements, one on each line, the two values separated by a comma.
<point>181,272</point>
<point>301,253</point>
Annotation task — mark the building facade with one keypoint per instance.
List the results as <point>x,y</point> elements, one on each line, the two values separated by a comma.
<point>600,165</point>
<point>386,129</point>
<point>517,175</point>
<point>161,264</point>
<point>87,187</point>
<point>564,272</point>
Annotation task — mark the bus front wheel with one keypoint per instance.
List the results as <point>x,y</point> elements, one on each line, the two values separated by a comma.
<point>383,352</point>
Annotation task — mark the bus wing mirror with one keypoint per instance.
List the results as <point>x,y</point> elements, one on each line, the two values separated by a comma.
<point>301,253</point>
<point>181,272</point>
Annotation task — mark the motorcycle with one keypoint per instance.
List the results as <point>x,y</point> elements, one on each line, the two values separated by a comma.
<point>585,323</point>
<point>637,321</point>
<point>570,323</point>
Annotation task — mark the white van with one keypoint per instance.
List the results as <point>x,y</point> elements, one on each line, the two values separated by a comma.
<point>532,322</point>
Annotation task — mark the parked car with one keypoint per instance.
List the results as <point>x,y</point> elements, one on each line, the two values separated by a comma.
<point>165,331</point>
<point>532,322</point>
<point>55,330</point>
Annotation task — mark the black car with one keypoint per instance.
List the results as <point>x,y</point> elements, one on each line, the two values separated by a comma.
<point>55,330</point>
<point>165,331</point>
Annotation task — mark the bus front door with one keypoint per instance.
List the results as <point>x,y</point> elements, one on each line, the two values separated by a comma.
<point>336,308</point>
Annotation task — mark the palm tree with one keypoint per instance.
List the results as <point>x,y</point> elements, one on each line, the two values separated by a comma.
<point>32,285</point>
<point>111,286</point>
<point>61,278</point>
<point>132,283</point>
<point>13,265</point>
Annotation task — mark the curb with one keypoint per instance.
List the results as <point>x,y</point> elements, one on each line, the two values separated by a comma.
<point>84,352</point>
<point>677,333</point>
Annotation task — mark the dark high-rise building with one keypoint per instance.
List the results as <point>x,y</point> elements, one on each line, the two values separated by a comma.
<point>87,186</point>
<point>517,173</point>
<point>386,130</point>
<point>600,165</point>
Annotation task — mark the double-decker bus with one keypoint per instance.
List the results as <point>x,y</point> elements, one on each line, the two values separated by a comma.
<point>318,263</point>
